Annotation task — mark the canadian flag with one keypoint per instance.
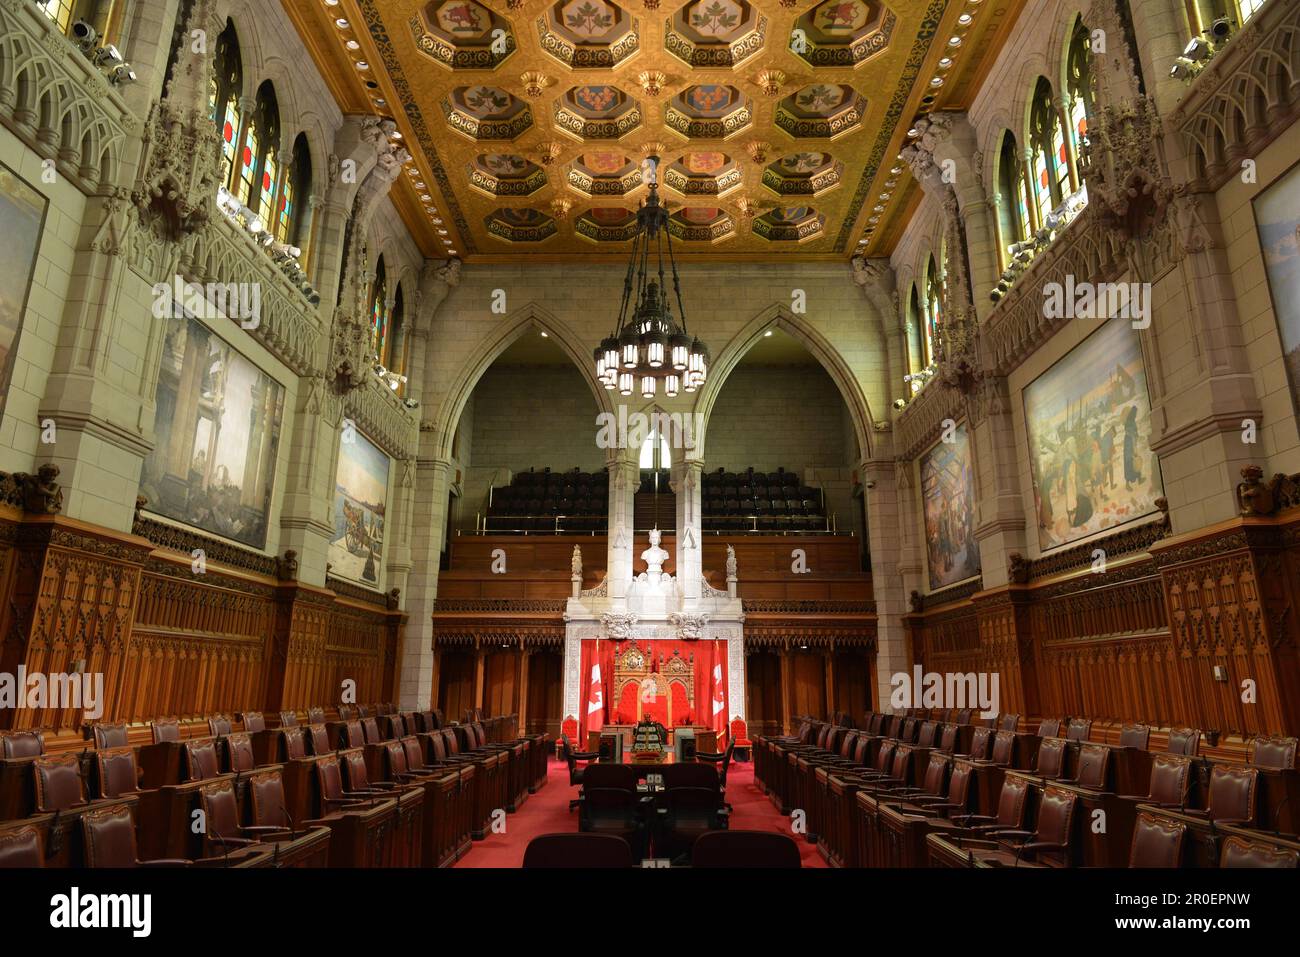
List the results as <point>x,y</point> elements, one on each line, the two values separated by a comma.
<point>595,701</point>
<point>719,703</point>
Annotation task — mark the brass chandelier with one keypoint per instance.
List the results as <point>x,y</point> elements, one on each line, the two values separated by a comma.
<point>648,346</point>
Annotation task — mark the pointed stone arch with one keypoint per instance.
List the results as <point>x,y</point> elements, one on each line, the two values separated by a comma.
<point>828,356</point>
<point>529,317</point>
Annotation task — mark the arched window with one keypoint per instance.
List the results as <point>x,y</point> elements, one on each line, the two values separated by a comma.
<point>933,309</point>
<point>258,161</point>
<point>1247,9</point>
<point>1013,212</point>
<point>655,453</point>
<point>1051,179</point>
<point>395,358</point>
<point>1078,84</point>
<point>915,350</point>
<point>379,317</point>
<point>290,220</point>
<point>223,98</point>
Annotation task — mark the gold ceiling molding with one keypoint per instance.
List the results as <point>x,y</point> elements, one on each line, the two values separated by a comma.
<point>778,123</point>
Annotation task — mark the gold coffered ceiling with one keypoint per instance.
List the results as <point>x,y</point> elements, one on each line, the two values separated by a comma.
<point>778,122</point>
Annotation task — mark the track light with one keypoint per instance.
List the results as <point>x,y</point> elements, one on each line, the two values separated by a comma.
<point>1182,69</point>
<point>1197,50</point>
<point>1221,29</point>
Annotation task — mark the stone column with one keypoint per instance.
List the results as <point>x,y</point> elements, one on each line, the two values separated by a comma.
<point>690,566</point>
<point>895,565</point>
<point>624,474</point>
<point>429,511</point>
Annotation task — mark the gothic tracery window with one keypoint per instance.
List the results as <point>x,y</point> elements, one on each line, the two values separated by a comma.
<point>933,310</point>
<point>258,159</point>
<point>223,98</point>
<point>379,315</point>
<point>1013,210</point>
<point>1051,172</point>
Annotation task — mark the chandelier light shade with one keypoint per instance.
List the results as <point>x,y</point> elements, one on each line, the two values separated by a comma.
<point>649,345</point>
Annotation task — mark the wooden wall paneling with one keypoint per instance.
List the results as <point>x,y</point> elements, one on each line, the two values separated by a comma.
<point>456,687</point>
<point>764,692</point>
<point>545,685</point>
<point>72,599</point>
<point>809,683</point>
<point>853,685</point>
<point>500,681</point>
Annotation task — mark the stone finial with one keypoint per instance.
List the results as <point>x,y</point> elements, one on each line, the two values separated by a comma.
<point>393,599</point>
<point>286,566</point>
<point>1018,568</point>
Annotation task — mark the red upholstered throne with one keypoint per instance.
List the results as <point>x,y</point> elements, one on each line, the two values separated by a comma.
<point>740,738</point>
<point>569,729</point>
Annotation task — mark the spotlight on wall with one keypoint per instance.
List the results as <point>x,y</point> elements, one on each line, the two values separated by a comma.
<point>105,56</point>
<point>1221,29</point>
<point>1182,69</point>
<point>1197,50</point>
<point>900,404</point>
<point>121,74</point>
<point>84,35</point>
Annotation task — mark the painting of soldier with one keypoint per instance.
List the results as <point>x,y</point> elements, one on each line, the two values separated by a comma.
<point>1088,421</point>
<point>948,496</point>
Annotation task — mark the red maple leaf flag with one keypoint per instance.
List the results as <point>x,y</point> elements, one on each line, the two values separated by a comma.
<point>595,701</point>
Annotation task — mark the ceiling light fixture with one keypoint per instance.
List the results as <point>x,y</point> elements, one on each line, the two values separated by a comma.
<point>648,346</point>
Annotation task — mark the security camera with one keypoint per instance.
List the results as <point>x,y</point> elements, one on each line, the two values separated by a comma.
<point>85,35</point>
<point>121,74</point>
<point>107,55</point>
<point>1221,29</point>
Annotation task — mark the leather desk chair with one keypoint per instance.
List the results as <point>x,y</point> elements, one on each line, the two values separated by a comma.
<point>1242,852</point>
<point>21,847</point>
<point>165,730</point>
<point>60,785</point>
<point>201,760</point>
<point>239,752</point>
<point>1051,842</point>
<point>577,850</point>
<point>117,772</point>
<point>107,735</point>
<point>1157,842</point>
<point>22,744</point>
<point>614,811</point>
<point>686,813</point>
<point>220,725</point>
<point>1135,736</point>
<point>223,831</point>
<point>109,837</point>
<point>252,721</point>
<point>745,849</point>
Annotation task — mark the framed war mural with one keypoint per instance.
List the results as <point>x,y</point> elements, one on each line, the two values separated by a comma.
<point>948,501</point>
<point>360,502</point>
<point>217,426</point>
<point>1277,219</point>
<point>1088,424</point>
<point>22,221</point>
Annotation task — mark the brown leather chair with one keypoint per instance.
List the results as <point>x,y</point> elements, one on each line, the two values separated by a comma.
<point>288,719</point>
<point>1013,801</point>
<point>1093,766</point>
<point>1049,728</point>
<point>1078,729</point>
<point>22,744</point>
<point>21,847</point>
<point>333,794</point>
<point>292,743</point>
<point>1274,752</point>
<point>370,729</point>
<point>1171,781</point>
<point>201,759</point>
<point>59,782</point>
<point>1184,741</point>
<point>223,832</point>
<point>118,775</point>
<point>109,835</point>
<point>1240,852</point>
<point>1157,842</point>
<point>318,739</point>
<point>1233,792</point>
<point>745,849</point>
<point>239,752</point>
<point>1008,722</point>
<point>1049,844</point>
<point>577,850</point>
<point>1052,754</point>
<point>164,730</point>
<point>1135,736</point>
<point>252,721</point>
<point>981,745</point>
<point>220,725</point>
<point>266,801</point>
<point>107,735</point>
<point>352,734</point>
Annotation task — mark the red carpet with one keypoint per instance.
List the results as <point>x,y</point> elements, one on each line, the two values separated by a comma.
<point>547,811</point>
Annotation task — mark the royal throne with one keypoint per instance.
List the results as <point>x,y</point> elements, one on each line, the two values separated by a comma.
<point>659,688</point>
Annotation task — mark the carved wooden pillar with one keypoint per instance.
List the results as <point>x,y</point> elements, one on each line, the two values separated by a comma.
<point>787,689</point>
<point>522,685</point>
<point>480,665</point>
<point>1007,648</point>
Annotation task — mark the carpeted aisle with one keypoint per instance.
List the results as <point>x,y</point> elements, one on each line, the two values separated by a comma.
<point>547,811</point>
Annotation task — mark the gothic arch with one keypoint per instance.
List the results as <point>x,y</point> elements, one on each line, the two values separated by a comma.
<point>530,317</point>
<point>778,316</point>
